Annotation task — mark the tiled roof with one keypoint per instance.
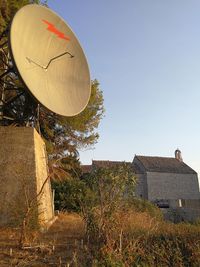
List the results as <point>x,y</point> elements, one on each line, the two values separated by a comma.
<point>164,164</point>
<point>86,168</point>
<point>101,164</point>
<point>106,163</point>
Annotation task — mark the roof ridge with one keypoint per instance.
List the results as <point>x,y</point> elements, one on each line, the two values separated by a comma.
<point>164,164</point>
<point>154,157</point>
<point>110,160</point>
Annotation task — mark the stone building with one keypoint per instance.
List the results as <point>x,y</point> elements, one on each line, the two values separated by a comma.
<point>163,178</point>
<point>168,182</point>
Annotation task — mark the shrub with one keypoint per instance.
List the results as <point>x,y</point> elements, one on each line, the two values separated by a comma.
<point>142,205</point>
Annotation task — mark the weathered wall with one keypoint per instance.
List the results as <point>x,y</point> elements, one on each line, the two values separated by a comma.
<point>172,186</point>
<point>45,207</point>
<point>23,169</point>
<point>141,189</point>
<point>181,214</point>
<point>141,186</point>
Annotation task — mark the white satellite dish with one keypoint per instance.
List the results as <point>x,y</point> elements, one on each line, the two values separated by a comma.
<point>49,59</point>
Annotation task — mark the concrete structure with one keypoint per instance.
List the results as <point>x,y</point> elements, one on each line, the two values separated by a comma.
<point>23,171</point>
<point>168,182</point>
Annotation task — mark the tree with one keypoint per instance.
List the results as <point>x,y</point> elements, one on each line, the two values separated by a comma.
<point>19,104</point>
<point>8,8</point>
<point>63,135</point>
<point>68,134</point>
<point>111,190</point>
<point>103,191</point>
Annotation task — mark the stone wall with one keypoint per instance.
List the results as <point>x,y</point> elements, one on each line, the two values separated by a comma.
<point>177,215</point>
<point>141,186</point>
<point>172,186</point>
<point>45,207</point>
<point>23,170</point>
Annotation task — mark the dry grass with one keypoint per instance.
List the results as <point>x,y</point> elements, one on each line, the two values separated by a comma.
<point>144,237</point>
<point>61,246</point>
<point>133,222</point>
<point>139,221</point>
<point>138,239</point>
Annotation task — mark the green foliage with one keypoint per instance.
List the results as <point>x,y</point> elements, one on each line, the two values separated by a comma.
<point>22,108</point>
<point>142,205</point>
<point>66,194</point>
<point>63,135</point>
<point>115,239</point>
<point>112,188</point>
<point>9,7</point>
<point>69,186</point>
<point>72,133</point>
<point>104,187</point>
<point>70,192</point>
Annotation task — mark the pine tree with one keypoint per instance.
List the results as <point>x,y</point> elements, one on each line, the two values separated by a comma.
<point>63,135</point>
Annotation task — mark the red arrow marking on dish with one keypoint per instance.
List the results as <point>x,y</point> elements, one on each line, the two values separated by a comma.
<point>53,29</point>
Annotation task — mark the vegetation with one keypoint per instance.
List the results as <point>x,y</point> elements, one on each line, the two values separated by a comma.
<point>121,230</point>
<point>140,240</point>
<point>143,240</point>
<point>9,7</point>
<point>81,192</point>
<point>63,135</point>
<point>67,190</point>
<point>111,227</point>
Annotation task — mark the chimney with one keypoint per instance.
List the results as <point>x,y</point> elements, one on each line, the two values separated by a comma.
<point>178,155</point>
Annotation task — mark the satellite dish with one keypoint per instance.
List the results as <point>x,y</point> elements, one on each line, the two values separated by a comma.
<point>49,60</point>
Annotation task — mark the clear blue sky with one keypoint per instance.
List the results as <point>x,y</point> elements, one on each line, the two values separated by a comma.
<point>146,56</point>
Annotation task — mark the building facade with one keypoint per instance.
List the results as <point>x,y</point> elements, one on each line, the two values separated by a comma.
<point>168,182</point>
<point>165,178</point>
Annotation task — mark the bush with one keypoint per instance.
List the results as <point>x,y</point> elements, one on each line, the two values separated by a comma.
<point>124,231</point>
<point>66,194</point>
<point>142,205</point>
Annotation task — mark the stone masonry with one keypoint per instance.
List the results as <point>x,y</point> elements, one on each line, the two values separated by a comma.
<point>172,186</point>
<point>23,170</point>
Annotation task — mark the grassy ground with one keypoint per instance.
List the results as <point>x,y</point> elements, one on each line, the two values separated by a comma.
<point>140,240</point>
<point>146,241</point>
<point>61,246</point>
